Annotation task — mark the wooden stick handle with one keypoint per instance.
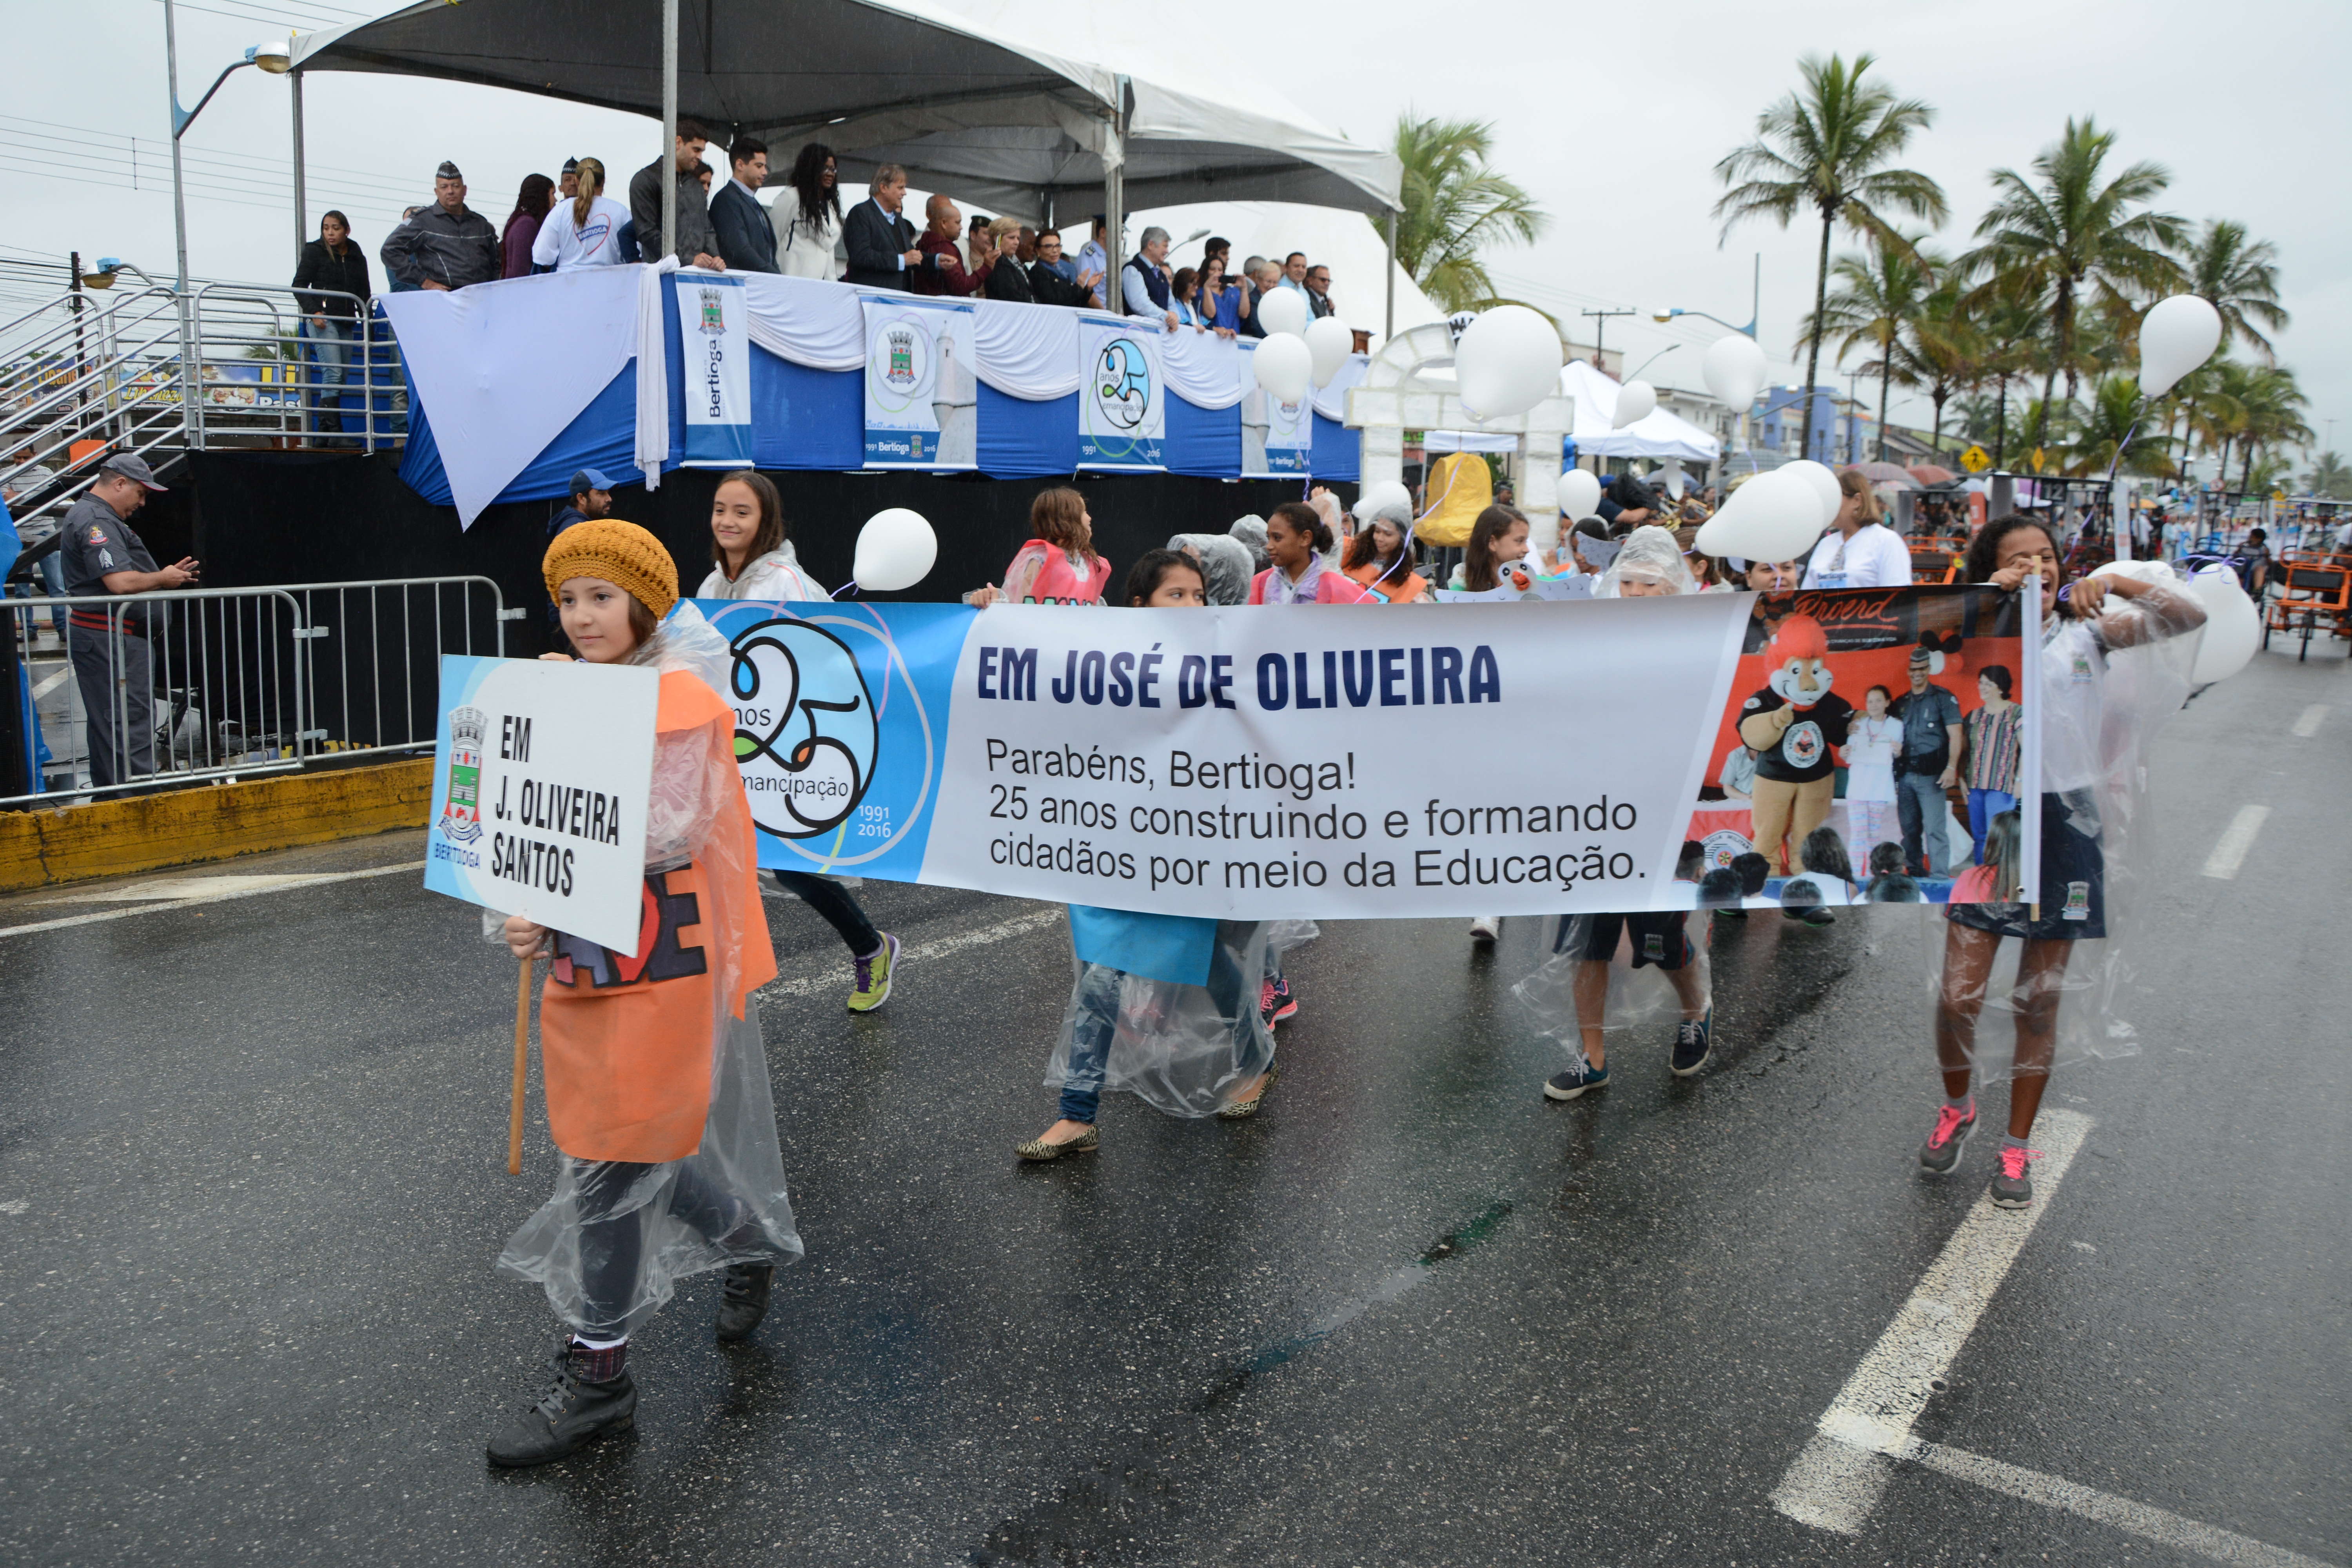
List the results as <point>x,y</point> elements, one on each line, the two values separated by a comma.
<point>522,1056</point>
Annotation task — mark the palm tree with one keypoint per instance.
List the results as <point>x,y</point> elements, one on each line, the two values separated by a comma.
<point>2329,476</point>
<point>1828,146</point>
<point>2008,326</point>
<point>2238,277</point>
<point>1946,349</point>
<point>1455,205</point>
<point>2072,238</point>
<point>2273,417</point>
<point>2109,427</point>
<point>1878,296</point>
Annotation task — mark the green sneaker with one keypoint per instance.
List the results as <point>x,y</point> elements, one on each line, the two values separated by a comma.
<point>873,973</point>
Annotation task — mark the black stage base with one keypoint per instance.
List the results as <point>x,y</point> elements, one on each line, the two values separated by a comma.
<point>255,518</point>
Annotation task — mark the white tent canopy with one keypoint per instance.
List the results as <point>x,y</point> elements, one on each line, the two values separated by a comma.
<point>964,105</point>
<point>1657,434</point>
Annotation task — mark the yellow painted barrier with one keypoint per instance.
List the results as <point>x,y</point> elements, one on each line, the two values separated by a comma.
<point>190,826</point>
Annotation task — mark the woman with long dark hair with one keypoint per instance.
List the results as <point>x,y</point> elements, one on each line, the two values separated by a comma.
<point>807,216</point>
<point>531,208</point>
<point>338,270</point>
<point>2063,899</point>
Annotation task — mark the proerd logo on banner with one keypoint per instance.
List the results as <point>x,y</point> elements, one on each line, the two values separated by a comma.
<point>1122,389</point>
<point>805,731</point>
<point>461,817</point>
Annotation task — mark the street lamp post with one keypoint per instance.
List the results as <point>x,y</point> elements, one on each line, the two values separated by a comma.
<point>272,58</point>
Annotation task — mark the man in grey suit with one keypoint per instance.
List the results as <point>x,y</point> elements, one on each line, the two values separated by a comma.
<point>747,240</point>
<point>879,239</point>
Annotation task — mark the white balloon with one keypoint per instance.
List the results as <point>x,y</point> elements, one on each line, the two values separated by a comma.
<point>1674,478</point>
<point>1330,340</point>
<point>2233,628</point>
<point>1284,365</point>
<point>895,550</point>
<point>1735,370</point>
<point>1508,361</point>
<point>1636,400</point>
<point>1578,494</point>
<point>1824,483</point>
<point>1282,312</point>
<point>2175,336</point>
<point>1775,516</point>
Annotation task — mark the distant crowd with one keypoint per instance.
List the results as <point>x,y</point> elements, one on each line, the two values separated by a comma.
<point>562,223</point>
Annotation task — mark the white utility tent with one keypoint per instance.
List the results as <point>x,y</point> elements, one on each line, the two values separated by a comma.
<point>966,105</point>
<point>1658,435</point>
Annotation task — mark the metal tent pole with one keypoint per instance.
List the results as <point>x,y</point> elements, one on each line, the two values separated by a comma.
<point>1388,325</point>
<point>301,205</point>
<point>1115,204</point>
<point>669,129</point>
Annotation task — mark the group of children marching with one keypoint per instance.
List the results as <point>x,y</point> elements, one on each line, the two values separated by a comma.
<point>655,1078</point>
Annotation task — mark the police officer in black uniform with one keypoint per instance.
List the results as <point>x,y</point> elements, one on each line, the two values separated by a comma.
<point>111,661</point>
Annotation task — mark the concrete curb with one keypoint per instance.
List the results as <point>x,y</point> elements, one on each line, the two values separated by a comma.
<point>189,827</point>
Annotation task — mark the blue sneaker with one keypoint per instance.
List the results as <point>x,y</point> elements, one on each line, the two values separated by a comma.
<point>1576,1080</point>
<point>1691,1045</point>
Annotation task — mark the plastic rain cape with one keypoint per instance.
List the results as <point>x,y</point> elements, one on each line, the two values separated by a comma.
<point>2108,686</point>
<point>611,1244</point>
<point>1637,997</point>
<point>1183,1050</point>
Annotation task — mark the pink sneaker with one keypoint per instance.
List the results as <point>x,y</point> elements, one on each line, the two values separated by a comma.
<point>2014,1188</point>
<point>1941,1152</point>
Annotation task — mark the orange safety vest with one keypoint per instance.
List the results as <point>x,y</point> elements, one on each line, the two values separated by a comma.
<point>626,1043</point>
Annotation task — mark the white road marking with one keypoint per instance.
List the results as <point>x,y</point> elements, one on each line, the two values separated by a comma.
<point>2305,728</point>
<point>180,888</point>
<point>2229,852</point>
<point>53,682</point>
<point>1836,1480</point>
<point>984,936</point>
<point>274,884</point>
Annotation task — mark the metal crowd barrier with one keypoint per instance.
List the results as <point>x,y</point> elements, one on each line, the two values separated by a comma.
<point>185,686</point>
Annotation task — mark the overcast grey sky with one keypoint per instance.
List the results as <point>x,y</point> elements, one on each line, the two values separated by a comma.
<point>1612,116</point>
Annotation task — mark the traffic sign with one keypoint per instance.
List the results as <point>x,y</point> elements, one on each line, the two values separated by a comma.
<point>2037,459</point>
<point>1976,459</point>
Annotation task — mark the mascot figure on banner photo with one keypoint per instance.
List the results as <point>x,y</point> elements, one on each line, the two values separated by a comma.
<point>1793,726</point>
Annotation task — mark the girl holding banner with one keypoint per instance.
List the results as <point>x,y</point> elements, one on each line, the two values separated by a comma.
<point>2092,728</point>
<point>1650,565</point>
<point>753,558</point>
<point>1160,1004</point>
<point>655,1076</point>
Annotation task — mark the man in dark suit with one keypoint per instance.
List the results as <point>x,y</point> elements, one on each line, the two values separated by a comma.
<point>697,245</point>
<point>747,240</point>
<point>880,242</point>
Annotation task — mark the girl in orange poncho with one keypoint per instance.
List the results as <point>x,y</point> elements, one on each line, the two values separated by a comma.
<point>657,1082</point>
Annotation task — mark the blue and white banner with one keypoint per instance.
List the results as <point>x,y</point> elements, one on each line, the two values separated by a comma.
<point>1122,394</point>
<point>1232,763</point>
<point>713,324</point>
<point>540,777</point>
<point>1277,438</point>
<point>923,396</point>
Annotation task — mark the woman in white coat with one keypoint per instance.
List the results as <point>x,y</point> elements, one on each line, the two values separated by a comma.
<point>753,559</point>
<point>807,216</point>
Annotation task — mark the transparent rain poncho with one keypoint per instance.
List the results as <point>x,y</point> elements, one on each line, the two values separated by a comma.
<point>1639,995</point>
<point>1226,565</point>
<point>611,1244</point>
<point>1651,552</point>
<point>1185,1050</point>
<point>2107,686</point>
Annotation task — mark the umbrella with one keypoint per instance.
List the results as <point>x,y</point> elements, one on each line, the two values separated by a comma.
<point>1888,476</point>
<point>1930,474</point>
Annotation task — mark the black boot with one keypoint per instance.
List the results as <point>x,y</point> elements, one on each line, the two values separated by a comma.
<point>572,1412</point>
<point>744,1299</point>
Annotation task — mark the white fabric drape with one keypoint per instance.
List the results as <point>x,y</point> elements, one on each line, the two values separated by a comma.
<point>501,368</point>
<point>1029,352</point>
<point>1332,402</point>
<point>653,373</point>
<point>812,321</point>
<point>1203,368</point>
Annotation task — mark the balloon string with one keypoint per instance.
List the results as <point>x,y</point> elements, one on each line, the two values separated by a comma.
<point>849,587</point>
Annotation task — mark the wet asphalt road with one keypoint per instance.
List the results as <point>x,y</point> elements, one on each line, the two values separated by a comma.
<point>251,1185</point>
